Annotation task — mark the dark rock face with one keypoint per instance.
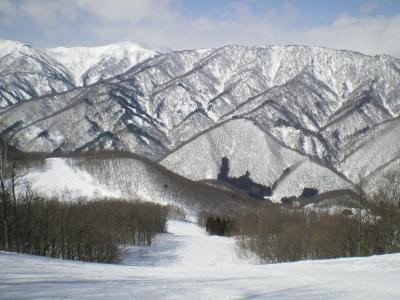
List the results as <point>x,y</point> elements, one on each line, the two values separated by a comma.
<point>308,192</point>
<point>243,182</point>
<point>224,170</point>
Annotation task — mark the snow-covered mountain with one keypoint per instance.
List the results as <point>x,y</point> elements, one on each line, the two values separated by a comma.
<point>28,71</point>
<point>91,64</point>
<point>319,109</point>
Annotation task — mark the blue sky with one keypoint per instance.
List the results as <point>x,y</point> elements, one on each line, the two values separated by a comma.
<point>371,27</point>
<point>318,11</point>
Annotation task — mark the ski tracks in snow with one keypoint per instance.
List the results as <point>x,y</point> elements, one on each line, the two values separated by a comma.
<point>187,245</point>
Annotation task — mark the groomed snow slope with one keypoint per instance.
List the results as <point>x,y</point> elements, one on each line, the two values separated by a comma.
<point>186,263</point>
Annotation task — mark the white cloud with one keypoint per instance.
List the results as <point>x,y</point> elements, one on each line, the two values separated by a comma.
<point>39,14</point>
<point>164,22</point>
<point>128,10</point>
<point>372,35</point>
<point>42,12</point>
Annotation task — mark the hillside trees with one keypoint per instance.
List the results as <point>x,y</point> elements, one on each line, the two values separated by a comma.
<point>386,205</point>
<point>276,233</point>
<point>81,229</point>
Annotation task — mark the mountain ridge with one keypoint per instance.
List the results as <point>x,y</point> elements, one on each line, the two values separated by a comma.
<point>80,66</point>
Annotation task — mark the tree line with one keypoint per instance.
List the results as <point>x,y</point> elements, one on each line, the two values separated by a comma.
<point>216,224</point>
<point>280,234</point>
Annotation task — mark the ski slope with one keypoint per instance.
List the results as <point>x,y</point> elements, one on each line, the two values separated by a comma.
<point>57,177</point>
<point>185,245</point>
<point>187,263</point>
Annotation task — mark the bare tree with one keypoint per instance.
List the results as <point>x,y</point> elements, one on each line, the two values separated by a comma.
<point>4,192</point>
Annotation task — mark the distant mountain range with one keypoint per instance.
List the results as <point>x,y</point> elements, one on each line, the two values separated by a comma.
<point>293,117</point>
<point>28,71</point>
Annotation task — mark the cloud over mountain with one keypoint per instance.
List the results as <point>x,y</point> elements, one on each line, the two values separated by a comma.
<point>179,26</point>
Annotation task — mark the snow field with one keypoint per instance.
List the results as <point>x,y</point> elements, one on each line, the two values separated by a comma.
<point>186,263</point>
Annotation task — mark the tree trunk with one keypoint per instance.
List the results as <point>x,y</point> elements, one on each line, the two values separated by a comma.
<point>3,166</point>
<point>16,227</point>
<point>5,218</point>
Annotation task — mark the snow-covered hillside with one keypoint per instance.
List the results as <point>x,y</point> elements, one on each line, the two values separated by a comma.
<point>132,179</point>
<point>375,153</point>
<point>187,263</point>
<point>250,149</point>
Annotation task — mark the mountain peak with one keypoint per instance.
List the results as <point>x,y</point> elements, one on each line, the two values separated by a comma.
<point>8,46</point>
<point>80,60</point>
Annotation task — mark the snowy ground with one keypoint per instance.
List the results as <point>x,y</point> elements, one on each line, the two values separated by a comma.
<point>186,263</point>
